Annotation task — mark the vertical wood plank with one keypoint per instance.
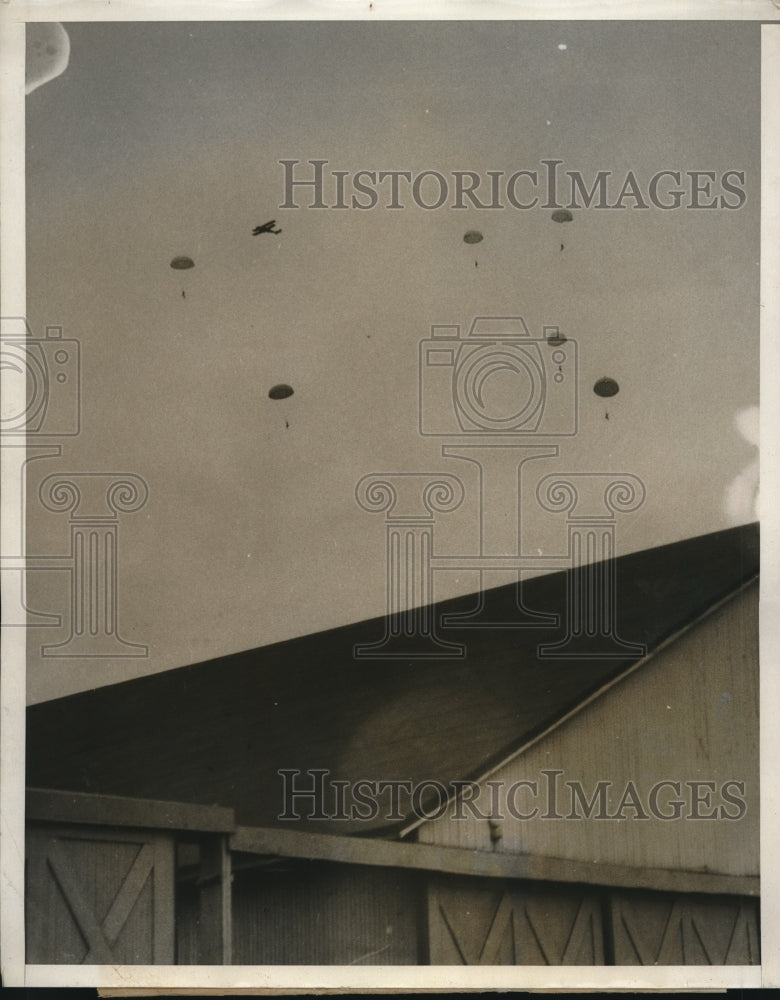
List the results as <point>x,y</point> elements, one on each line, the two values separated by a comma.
<point>324,913</point>
<point>163,943</point>
<point>215,924</point>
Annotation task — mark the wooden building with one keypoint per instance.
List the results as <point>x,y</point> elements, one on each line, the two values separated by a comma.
<point>597,810</point>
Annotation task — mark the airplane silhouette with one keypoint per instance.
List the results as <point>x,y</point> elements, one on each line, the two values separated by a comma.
<point>267,228</point>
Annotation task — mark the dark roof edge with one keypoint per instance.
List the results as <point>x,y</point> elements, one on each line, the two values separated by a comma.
<point>437,607</point>
<point>593,696</point>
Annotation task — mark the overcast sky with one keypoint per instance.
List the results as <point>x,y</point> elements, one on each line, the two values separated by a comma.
<point>165,139</point>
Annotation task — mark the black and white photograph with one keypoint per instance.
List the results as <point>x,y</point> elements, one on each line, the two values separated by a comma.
<point>380,451</point>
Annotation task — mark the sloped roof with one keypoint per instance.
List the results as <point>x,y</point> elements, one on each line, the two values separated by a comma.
<point>218,732</point>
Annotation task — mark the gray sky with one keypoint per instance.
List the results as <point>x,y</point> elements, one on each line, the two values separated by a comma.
<point>164,139</point>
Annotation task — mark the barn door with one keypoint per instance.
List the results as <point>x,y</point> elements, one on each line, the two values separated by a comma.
<point>99,896</point>
<point>493,922</point>
<point>662,929</point>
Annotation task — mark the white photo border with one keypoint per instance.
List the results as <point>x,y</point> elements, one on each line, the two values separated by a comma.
<point>13,18</point>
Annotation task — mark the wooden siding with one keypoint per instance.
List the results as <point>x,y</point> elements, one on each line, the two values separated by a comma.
<point>480,922</point>
<point>187,923</point>
<point>99,897</point>
<point>475,922</point>
<point>314,913</point>
<point>657,929</point>
<point>690,714</point>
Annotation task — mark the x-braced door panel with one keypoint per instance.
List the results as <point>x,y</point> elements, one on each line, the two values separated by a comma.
<point>478,922</point>
<point>99,896</point>
<point>663,929</point>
